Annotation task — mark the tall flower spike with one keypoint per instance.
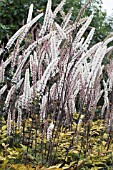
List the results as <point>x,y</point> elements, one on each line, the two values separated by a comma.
<point>88,39</point>
<point>9,123</point>
<point>53,47</point>
<point>35,58</point>
<point>109,49</point>
<point>72,27</point>
<point>43,106</point>
<point>19,118</point>
<point>14,56</point>
<point>27,92</point>
<point>30,13</point>
<point>107,41</point>
<point>106,99</point>
<point>46,37</point>
<point>14,37</point>
<point>50,131</point>
<point>31,64</point>
<point>8,61</point>
<point>28,26</point>
<point>2,70</point>
<point>2,90</point>
<point>58,8</point>
<point>19,83</point>
<point>47,19</point>
<point>81,31</point>
<point>46,75</point>
<point>13,121</point>
<point>1,51</point>
<point>60,31</point>
<point>9,95</point>
<point>67,19</point>
<point>34,77</point>
<point>25,56</point>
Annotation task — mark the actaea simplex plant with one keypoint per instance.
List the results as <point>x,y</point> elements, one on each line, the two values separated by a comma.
<point>50,76</point>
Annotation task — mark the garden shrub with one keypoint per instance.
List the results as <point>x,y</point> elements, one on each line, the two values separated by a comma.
<point>51,85</point>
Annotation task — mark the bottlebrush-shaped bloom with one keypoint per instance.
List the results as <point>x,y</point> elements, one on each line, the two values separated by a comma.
<point>14,37</point>
<point>20,32</point>
<point>29,18</point>
<point>9,123</point>
<point>53,46</point>
<point>47,19</point>
<point>109,49</point>
<point>19,83</point>
<point>88,39</point>
<point>25,56</point>
<point>81,31</point>
<point>8,61</point>
<point>28,26</point>
<point>9,95</point>
<point>14,57</point>
<point>13,121</point>
<point>46,75</point>
<point>71,104</point>
<point>75,25</point>
<point>53,92</point>
<point>44,38</point>
<point>26,91</point>
<point>1,50</point>
<point>108,40</point>
<point>34,78</point>
<point>109,69</point>
<point>43,106</point>
<point>31,64</point>
<point>60,31</point>
<point>19,118</point>
<point>67,19</point>
<point>106,99</point>
<point>50,131</point>
<point>2,90</point>
<point>58,8</point>
<point>2,70</point>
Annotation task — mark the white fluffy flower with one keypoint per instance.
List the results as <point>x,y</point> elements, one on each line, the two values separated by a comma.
<point>50,130</point>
